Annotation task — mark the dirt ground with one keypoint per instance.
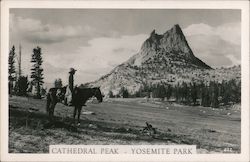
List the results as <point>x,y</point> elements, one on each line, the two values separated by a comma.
<point>120,122</point>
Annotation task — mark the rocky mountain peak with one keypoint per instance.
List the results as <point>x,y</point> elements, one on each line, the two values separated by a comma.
<point>174,40</point>
<point>154,37</point>
<point>176,29</point>
<point>171,40</point>
<point>171,44</point>
<point>152,33</point>
<point>162,58</point>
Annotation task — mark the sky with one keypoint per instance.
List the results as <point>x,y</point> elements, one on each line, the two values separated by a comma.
<point>94,41</point>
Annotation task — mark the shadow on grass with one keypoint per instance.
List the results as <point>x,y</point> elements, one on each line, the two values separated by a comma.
<point>37,120</point>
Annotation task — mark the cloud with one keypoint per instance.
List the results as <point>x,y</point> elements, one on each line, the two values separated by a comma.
<point>217,46</point>
<point>92,56</point>
<point>34,31</point>
<point>229,32</point>
<point>107,51</point>
<point>198,29</point>
<point>97,58</point>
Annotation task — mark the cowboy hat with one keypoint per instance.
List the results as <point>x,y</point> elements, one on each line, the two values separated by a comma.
<point>72,70</point>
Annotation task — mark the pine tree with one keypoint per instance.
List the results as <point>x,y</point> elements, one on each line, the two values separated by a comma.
<point>226,93</point>
<point>139,92</point>
<point>235,94</point>
<point>238,93</point>
<point>11,69</point>
<point>37,71</point>
<point>177,92</point>
<point>22,85</point>
<point>184,91</point>
<point>110,94</point>
<point>124,92</point>
<point>194,93</point>
<point>160,91</point>
<point>168,91</point>
<point>214,95</point>
<point>203,97</point>
<point>189,97</point>
<point>205,100</point>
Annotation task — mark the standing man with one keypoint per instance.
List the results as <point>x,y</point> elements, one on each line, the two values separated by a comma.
<point>69,93</point>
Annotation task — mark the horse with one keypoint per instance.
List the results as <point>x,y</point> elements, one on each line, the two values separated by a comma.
<point>79,98</point>
<point>54,96</point>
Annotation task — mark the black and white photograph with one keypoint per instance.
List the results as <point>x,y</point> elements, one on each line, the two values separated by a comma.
<point>124,76</point>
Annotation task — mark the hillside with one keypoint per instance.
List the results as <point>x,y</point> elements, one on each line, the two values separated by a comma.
<point>165,58</point>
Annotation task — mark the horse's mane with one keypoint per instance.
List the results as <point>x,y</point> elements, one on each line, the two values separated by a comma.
<point>85,90</point>
<point>84,93</point>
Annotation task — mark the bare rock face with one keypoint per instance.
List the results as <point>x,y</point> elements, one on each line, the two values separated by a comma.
<point>171,42</point>
<point>174,40</point>
<point>162,58</point>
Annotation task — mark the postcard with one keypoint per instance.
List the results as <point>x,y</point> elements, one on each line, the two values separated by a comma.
<point>124,80</point>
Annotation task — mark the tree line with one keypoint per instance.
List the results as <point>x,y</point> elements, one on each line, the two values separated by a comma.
<point>19,84</point>
<point>212,94</point>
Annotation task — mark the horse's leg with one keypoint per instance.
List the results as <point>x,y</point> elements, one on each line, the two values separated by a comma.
<point>48,103</point>
<point>49,106</point>
<point>79,113</point>
<point>74,115</point>
<point>51,110</point>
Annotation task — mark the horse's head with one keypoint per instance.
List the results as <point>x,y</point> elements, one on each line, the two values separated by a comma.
<point>97,93</point>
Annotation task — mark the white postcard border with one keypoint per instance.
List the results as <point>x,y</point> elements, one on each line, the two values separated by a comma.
<point>242,5</point>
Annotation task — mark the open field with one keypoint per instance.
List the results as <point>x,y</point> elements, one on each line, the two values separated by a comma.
<point>121,121</point>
